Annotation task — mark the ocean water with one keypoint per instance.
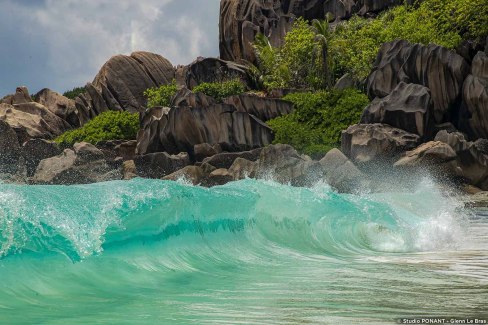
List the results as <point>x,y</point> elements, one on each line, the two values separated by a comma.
<point>249,252</point>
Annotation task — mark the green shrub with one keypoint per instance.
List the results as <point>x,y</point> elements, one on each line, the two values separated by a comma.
<point>316,123</point>
<point>110,125</point>
<point>161,96</point>
<point>354,44</point>
<point>299,63</point>
<point>75,92</point>
<point>221,90</point>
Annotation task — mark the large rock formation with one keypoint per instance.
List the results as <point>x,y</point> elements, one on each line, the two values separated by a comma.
<point>9,149</point>
<point>474,115</point>
<point>121,83</point>
<point>263,108</point>
<point>241,20</point>
<point>435,67</point>
<point>181,128</point>
<point>408,107</point>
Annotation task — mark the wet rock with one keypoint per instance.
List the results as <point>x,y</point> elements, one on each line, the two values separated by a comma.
<point>341,173</point>
<point>129,170</point>
<point>10,152</point>
<point>160,164</point>
<point>219,176</point>
<point>407,107</point>
<point>83,165</point>
<point>194,174</point>
<point>204,150</point>
<point>242,168</point>
<point>36,150</point>
<point>226,159</point>
<point>376,143</point>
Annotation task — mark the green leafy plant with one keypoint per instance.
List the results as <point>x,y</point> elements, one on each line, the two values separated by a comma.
<point>161,96</point>
<point>221,90</point>
<point>354,44</point>
<point>75,92</point>
<point>318,118</point>
<point>110,125</point>
<point>299,63</point>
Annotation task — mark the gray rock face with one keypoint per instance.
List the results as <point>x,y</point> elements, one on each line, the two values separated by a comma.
<point>474,114</point>
<point>284,164</point>
<point>219,176</point>
<point>9,149</point>
<point>59,105</point>
<point>183,127</point>
<point>82,165</point>
<point>32,120</point>
<point>213,70</point>
<point>376,143</point>
<point>433,153</point>
<point>36,150</point>
<point>341,173</point>
<point>194,174</point>
<point>242,168</point>
<point>21,96</point>
<point>204,150</point>
<point>241,20</point>
<point>226,159</point>
<point>160,164</point>
<point>121,83</point>
<point>263,108</point>
<point>432,66</point>
<point>407,107</point>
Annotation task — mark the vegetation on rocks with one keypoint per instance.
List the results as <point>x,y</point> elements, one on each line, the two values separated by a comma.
<point>110,125</point>
<point>161,96</point>
<point>354,44</point>
<point>221,90</point>
<point>75,92</point>
<point>315,125</point>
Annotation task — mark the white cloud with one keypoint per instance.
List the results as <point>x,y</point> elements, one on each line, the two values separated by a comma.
<point>69,40</point>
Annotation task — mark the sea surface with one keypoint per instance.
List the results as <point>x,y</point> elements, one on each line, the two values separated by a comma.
<point>249,252</point>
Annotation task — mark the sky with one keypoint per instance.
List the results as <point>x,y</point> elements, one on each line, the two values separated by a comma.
<point>61,44</point>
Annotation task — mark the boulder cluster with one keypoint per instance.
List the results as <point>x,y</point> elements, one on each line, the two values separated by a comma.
<point>429,112</point>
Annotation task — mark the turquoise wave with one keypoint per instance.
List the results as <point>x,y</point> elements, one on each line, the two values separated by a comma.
<point>237,253</point>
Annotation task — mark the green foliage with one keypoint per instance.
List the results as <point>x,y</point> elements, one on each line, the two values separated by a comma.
<point>316,123</point>
<point>161,96</point>
<point>75,92</point>
<point>110,125</point>
<point>296,64</point>
<point>354,44</point>
<point>221,90</point>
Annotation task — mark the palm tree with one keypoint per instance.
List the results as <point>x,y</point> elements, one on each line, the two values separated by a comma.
<point>321,28</point>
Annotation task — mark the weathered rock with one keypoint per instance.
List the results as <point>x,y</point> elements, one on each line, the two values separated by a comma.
<point>219,176</point>
<point>148,134</point>
<point>241,20</point>
<point>474,113</point>
<point>376,143</point>
<point>435,67</point>
<point>455,140</point>
<point>121,82</point>
<point>204,150</point>
<point>214,70</point>
<point>184,127</point>
<point>226,159</point>
<point>9,149</point>
<point>242,168</point>
<point>129,170</point>
<point>207,168</point>
<point>346,81</point>
<point>32,120</point>
<point>432,152</point>
<point>341,173</point>
<point>160,164</point>
<point>194,174</point>
<point>82,165</point>
<point>59,105</point>
<point>21,96</point>
<point>283,164</point>
<point>474,163</point>
<point>263,108</point>
<point>36,150</point>
<point>407,107</point>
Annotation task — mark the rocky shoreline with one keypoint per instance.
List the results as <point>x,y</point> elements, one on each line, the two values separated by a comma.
<point>428,115</point>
